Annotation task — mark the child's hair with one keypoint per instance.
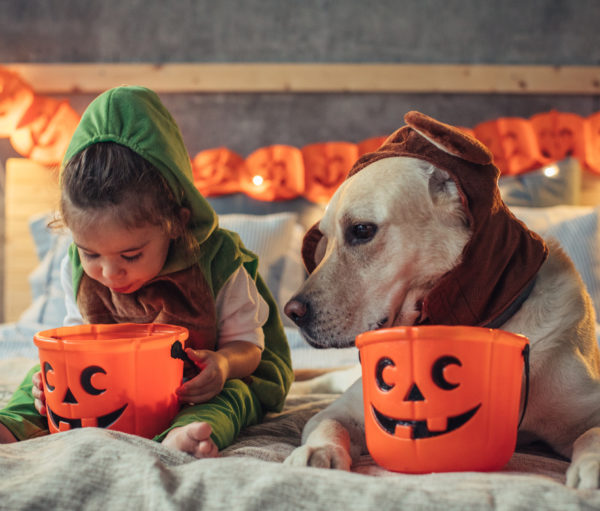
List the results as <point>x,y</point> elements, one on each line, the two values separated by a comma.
<point>109,177</point>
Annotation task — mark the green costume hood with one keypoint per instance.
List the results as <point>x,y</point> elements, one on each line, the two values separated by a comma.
<point>135,118</point>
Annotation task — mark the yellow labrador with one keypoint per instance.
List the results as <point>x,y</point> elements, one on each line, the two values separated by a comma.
<point>400,229</point>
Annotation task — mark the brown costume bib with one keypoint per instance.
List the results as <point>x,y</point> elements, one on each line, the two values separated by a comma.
<point>181,298</point>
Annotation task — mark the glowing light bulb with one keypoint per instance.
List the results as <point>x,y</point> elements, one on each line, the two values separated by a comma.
<point>551,171</point>
<point>257,180</point>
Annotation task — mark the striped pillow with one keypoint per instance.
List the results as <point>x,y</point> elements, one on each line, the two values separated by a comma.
<point>578,231</point>
<point>270,237</point>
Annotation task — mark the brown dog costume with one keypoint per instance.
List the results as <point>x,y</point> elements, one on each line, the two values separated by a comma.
<point>501,259</point>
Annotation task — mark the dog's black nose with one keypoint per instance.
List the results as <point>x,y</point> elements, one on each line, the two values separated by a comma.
<point>297,310</point>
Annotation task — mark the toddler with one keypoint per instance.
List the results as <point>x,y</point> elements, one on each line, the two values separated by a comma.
<point>147,248</point>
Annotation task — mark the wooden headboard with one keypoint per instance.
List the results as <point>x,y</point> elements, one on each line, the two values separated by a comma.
<point>30,189</point>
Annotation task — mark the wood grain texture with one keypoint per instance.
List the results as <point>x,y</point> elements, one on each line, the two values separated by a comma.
<point>30,189</point>
<point>63,78</point>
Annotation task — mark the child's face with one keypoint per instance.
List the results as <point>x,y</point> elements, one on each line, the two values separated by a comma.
<point>119,258</point>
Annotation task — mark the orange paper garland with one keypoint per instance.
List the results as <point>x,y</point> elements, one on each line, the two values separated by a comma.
<point>40,128</point>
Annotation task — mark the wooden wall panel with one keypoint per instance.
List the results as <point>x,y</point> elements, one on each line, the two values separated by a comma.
<point>316,77</point>
<point>30,189</point>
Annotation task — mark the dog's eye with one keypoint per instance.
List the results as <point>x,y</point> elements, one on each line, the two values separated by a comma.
<point>360,233</point>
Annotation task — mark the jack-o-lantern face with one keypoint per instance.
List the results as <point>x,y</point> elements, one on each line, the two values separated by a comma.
<point>436,394</point>
<point>121,377</point>
<point>87,386</point>
<point>425,427</point>
<point>440,401</point>
<point>86,394</point>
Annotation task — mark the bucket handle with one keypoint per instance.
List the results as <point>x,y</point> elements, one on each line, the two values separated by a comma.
<point>177,351</point>
<point>525,354</point>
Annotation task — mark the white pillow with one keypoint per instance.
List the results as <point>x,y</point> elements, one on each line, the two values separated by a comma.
<point>304,356</point>
<point>294,272</point>
<point>47,309</point>
<point>578,231</point>
<point>275,239</point>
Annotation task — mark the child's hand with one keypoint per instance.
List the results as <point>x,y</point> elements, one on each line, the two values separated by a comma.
<point>214,370</point>
<point>38,393</point>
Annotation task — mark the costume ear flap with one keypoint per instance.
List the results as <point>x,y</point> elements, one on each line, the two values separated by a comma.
<point>449,139</point>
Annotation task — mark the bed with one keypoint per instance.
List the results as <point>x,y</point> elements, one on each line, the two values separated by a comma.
<point>93,468</point>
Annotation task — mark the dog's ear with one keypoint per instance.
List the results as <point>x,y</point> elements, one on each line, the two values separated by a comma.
<point>449,139</point>
<point>444,193</point>
<point>441,185</point>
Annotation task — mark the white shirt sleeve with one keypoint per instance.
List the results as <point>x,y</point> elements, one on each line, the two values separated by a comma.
<point>241,310</point>
<point>73,316</point>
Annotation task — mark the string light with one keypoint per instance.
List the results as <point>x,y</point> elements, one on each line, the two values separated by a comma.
<point>551,171</point>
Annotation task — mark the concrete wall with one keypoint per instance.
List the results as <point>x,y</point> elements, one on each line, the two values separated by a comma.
<point>474,31</point>
<point>549,32</point>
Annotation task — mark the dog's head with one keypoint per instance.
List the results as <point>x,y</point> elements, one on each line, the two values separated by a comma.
<point>387,249</point>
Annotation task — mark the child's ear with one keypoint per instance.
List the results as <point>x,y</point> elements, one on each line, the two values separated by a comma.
<point>184,216</point>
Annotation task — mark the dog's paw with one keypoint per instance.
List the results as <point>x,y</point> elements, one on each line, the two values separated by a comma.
<point>322,456</point>
<point>584,473</point>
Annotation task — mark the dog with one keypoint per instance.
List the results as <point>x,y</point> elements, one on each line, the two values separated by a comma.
<point>418,234</point>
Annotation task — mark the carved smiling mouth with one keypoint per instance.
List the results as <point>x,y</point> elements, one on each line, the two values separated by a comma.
<point>103,421</point>
<point>419,429</point>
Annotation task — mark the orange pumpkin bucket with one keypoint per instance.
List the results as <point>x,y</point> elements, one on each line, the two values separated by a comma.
<point>441,398</point>
<point>120,376</point>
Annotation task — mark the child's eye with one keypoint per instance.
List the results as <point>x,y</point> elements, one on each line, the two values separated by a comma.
<point>132,258</point>
<point>88,255</point>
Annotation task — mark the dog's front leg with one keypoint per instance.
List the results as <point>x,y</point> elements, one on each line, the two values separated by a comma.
<point>584,471</point>
<point>332,382</point>
<point>335,436</point>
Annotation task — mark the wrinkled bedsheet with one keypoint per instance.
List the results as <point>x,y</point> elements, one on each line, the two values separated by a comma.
<point>99,469</point>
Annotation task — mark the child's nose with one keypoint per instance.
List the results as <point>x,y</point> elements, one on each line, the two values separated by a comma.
<point>112,270</point>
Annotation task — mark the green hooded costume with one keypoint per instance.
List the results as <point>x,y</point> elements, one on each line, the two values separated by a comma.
<point>184,292</point>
